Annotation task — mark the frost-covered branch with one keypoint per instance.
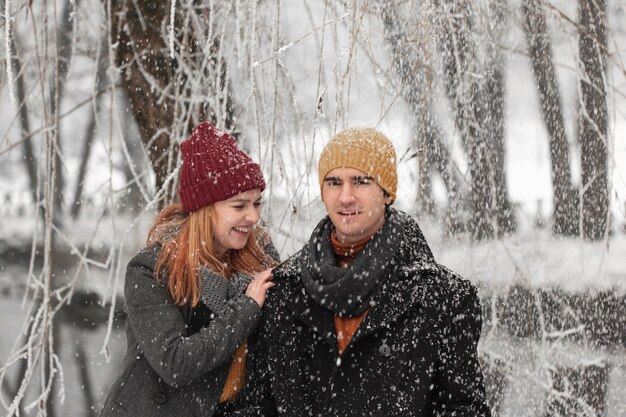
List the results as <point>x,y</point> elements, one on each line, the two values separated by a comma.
<point>7,47</point>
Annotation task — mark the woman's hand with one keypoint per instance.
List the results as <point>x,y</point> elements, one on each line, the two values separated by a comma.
<point>257,289</point>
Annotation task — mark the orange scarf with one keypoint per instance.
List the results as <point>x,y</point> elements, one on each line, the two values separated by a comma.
<point>345,254</point>
<point>236,374</point>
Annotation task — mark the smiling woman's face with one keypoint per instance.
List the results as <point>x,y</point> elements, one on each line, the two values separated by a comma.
<point>355,203</point>
<point>234,219</point>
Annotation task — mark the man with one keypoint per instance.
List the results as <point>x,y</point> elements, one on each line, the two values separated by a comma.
<point>362,321</point>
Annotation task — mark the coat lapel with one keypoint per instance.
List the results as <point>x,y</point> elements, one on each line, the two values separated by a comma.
<point>309,312</point>
<point>399,294</point>
<point>305,308</point>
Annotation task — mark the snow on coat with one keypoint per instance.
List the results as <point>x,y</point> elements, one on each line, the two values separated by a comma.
<point>178,357</point>
<point>414,354</point>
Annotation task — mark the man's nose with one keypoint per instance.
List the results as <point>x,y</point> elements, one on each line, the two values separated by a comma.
<point>347,193</point>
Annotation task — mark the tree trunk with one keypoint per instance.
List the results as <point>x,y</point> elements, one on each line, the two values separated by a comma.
<point>159,87</point>
<point>146,70</point>
<point>101,80</point>
<point>412,69</point>
<point>30,160</point>
<point>62,65</point>
<point>134,197</point>
<point>593,119</point>
<point>441,160</point>
<point>494,117</point>
<point>540,50</point>
<point>464,90</point>
<point>85,379</point>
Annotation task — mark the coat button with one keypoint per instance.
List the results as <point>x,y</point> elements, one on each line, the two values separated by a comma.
<point>384,349</point>
<point>160,398</point>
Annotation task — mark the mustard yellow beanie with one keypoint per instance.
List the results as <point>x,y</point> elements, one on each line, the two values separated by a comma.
<point>364,149</point>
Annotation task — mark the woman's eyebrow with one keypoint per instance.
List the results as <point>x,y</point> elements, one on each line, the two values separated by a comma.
<point>245,200</point>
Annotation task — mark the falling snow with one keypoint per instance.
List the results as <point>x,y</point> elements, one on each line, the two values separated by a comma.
<point>283,77</point>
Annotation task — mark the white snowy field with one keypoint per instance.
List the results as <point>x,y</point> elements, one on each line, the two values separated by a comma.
<point>533,259</point>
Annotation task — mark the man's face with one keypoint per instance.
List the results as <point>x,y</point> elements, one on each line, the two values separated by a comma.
<point>354,202</point>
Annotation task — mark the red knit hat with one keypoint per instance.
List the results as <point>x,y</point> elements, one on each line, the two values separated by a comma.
<point>214,168</point>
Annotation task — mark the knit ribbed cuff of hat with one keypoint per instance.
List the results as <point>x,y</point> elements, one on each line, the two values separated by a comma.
<point>236,180</point>
<point>362,160</point>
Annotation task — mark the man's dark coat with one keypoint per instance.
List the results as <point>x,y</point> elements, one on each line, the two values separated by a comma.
<point>414,354</point>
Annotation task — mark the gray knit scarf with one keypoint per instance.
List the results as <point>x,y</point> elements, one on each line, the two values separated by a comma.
<point>348,291</point>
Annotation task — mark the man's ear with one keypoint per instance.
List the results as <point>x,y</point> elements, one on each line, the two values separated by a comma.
<point>388,199</point>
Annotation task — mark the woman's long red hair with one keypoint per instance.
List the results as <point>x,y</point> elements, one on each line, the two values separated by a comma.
<point>186,241</point>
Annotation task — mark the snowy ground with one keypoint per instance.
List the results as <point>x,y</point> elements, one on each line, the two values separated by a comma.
<point>531,259</point>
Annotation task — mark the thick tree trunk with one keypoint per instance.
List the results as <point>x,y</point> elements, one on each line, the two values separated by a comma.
<point>540,50</point>
<point>494,117</point>
<point>147,70</point>
<point>159,87</point>
<point>412,67</point>
<point>468,104</point>
<point>593,119</point>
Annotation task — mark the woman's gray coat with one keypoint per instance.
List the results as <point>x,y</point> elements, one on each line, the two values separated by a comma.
<point>178,357</point>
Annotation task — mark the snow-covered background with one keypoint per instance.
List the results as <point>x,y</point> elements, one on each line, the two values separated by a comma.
<point>300,71</point>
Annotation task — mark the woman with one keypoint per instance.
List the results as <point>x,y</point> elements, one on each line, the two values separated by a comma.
<point>190,301</point>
